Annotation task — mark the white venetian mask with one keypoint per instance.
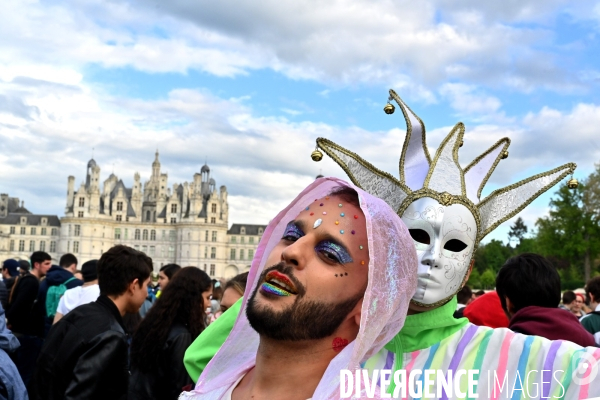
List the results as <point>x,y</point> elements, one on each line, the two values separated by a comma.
<point>444,238</point>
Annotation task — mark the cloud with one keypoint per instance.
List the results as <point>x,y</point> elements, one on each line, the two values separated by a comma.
<point>408,45</point>
<point>466,100</point>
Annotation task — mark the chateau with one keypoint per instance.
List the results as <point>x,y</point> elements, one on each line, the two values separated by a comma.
<point>185,224</point>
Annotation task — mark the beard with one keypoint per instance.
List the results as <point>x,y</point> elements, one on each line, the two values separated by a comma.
<point>302,320</point>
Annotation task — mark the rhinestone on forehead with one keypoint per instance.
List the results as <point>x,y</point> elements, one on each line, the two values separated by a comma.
<point>317,223</point>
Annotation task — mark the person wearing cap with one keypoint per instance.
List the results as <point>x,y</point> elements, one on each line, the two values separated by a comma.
<point>10,271</point>
<point>81,294</point>
<point>24,267</point>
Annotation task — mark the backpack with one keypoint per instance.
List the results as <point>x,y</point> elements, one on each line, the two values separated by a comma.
<point>53,297</point>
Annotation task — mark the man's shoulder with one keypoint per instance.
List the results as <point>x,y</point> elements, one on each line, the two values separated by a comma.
<point>92,317</point>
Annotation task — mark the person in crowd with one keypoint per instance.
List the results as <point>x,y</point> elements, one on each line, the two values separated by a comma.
<point>79,295</point>
<point>486,310</point>
<point>577,306</point>
<point>85,355</point>
<point>200,352</point>
<point>165,333</point>
<point>568,298</point>
<point>464,297</point>
<point>478,293</point>
<point>10,272</point>
<point>165,274</point>
<point>24,267</point>
<point>312,293</point>
<point>26,316</point>
<point>591,322</point>
<point>11,384</point>
<point>78,275</point>
<point>529,289</point>
<point>3,294</point>
<point>58,280</point>
<point>233,291</point>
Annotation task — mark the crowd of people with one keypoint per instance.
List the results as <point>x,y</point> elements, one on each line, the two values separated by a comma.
<point>64,337</point>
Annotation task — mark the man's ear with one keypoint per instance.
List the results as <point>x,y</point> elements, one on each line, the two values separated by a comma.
<point>510,307</point>
<point>357,312</point>
<point>133,285</point>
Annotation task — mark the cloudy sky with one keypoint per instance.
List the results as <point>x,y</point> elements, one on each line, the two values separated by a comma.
<point>249,85</point>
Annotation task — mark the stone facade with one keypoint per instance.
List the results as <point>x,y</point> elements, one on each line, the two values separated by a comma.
<point>186,224</point>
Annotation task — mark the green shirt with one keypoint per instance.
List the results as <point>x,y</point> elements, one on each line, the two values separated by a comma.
<point>206,345</point>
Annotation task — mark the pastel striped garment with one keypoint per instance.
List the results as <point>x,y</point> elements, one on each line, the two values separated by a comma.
<point>500,355</point>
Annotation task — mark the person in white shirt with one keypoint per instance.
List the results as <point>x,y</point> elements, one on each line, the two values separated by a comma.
<point>81,294</point>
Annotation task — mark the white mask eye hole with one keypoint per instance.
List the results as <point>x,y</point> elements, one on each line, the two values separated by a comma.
<point>419,235</point>
<point>455,245</point>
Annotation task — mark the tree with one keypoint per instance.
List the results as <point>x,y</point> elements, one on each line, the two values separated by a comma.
<point>570,231</point>
<point>517,231</point>
<point>488,279</point>
<point>492,255</point>
<point>474,281</point>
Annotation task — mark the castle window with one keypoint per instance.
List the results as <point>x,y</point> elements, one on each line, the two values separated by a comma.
<point>171,236</point>
<point>80,214</point>
<point>119,218</point>
<point>242,254</point>
<point>42,246</point>
<point>52,247</point>
<point>213,208</point>
<point>152,251</point>
<point>152,234</point>
<point>214,236</point>
<point>75,247</point>
<point>22,230</point>
<point>260,231</point>
<point>12,230</point>
<point>213,252</point>
<point>44,221</point>
<point>32,231</point>
<point>43,231</point>
<point>242,240</point>
<point>171,253</point>
<point>117,233</point>
<point>145,234</point>
<point>21,245</point>
<point>173,220</point>
<point>233,239</point>
<point>250,254</point>
<point>251,240</point>
<point>148,215</point>
<point>77,230</point>
<point>23,220</point>
<point>54,232</point>
<point>12,245</point>
<point>126,236</point>
<point>232,254</point>
<point>81,201</point>
<point>212,270</point>
<point>137,234</point>
<point>206,236</point>
<point>119,206</point>
<point>173,208</point>
<point>32,245</point>
<point>243,230</point>
<point>213,220</point>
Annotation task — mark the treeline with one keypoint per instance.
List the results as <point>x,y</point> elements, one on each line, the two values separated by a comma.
<point>569,236</point>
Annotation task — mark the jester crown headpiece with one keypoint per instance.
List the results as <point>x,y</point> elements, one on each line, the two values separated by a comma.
<point>442,178</point>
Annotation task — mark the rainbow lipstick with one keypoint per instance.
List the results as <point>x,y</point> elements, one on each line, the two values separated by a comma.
<point>267,287</point>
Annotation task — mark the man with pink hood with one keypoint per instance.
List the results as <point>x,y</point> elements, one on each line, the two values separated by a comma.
<point>329,286</point>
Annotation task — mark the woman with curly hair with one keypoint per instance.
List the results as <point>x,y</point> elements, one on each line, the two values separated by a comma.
<point>171,325</point>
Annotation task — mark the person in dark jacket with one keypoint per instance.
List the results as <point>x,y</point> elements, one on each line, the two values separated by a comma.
<point>57,275</point>
<point>11,384</point>
<point>25,316</point>
<point>162,338</point>
<point>10,271</point>
<point>529,289</point>
<point>85,353</point>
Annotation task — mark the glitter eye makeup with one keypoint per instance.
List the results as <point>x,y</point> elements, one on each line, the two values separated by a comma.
<point>292,232</point>
<point>334,252</point>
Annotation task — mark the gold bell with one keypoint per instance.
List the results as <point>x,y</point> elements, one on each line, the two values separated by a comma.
<point>389,108</point>
<point>573,183</point>
<point>461,143</point>
<point>504,155</point>
<point>316,155</point>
